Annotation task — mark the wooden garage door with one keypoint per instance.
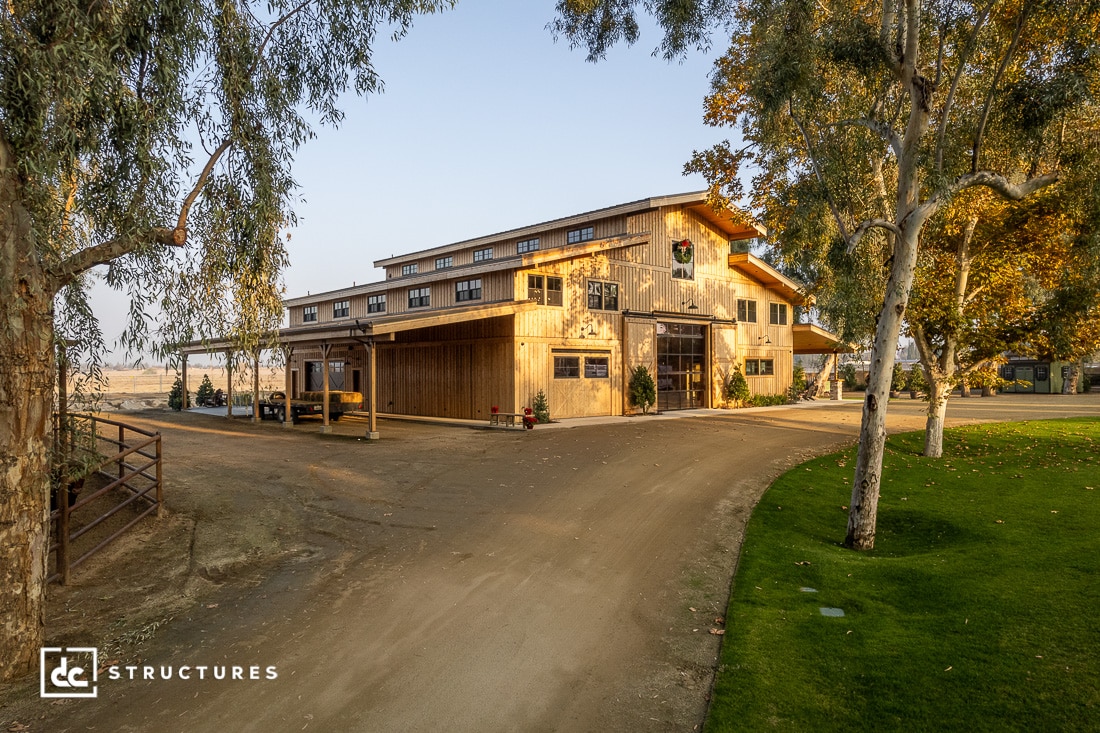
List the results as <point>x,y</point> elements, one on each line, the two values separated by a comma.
<point>581,385</point>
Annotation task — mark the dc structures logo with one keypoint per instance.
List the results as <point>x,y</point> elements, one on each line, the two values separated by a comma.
<point>69,671</point>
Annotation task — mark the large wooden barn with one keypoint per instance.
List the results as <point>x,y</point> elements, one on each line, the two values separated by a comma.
<point>568,306</point>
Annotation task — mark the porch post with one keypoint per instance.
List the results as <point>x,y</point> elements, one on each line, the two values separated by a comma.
<point>288,420</point>
<point>325,350</point>
<point>256,387</point>
<point>372,371</point>
<point>229,386</point>
<point>183,380</point>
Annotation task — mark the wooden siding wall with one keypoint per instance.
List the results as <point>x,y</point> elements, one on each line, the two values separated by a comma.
<point>723,358</point>
<point>639,349</point>
<point>507,248</point>
<point>495,286</point>
<point>457,371</point>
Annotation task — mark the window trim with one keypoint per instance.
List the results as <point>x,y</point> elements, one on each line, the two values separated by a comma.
<point>410,269</point>
<point>310,314</point>
<point>336,309</point>
<point>448,262</point>
<point>564,358</point>
<point>379,299</point>
<point>483,255</point>
<point>527,245</point>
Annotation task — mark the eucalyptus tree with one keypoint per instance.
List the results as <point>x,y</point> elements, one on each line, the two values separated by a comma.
<point>881,113</point>
<point>154,137</point>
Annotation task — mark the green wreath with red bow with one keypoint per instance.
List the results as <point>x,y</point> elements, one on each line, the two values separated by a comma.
<point>683,251</point>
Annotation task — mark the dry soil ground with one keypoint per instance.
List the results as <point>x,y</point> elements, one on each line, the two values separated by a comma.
<point>441,578</point>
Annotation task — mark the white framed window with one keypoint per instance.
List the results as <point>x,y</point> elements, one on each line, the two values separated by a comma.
<point>376,303</point>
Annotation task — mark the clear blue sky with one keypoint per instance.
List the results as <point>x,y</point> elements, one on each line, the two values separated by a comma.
<point>485,124</point>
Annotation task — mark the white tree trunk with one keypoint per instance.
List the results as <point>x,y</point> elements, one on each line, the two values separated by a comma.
<point>938,393</point>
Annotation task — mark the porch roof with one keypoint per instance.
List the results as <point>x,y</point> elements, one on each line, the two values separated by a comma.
<point>812,339</point>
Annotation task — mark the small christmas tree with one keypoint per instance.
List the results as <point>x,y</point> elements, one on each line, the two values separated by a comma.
<point>175,397</point>
<point>737,387</point>
<point>205,395</point>
<point>643,390</point>
<point>541,407</point>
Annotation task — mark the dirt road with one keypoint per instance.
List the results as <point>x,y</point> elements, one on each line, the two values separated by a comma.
<point>442,578</point>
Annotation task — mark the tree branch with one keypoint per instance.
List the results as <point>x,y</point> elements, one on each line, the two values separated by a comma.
<point>979,134</point>
<point>885,131</point>
<point>857,235</point>
<point>817,171</point>
<point>271,32</point>
<point>993,181</point>
<point>101,254</point>
<point>181,224</point>
<point>963,60</point>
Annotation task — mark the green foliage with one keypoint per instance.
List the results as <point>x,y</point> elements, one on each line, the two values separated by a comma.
<point>899,378</point>
<point>175,396</point>
<point>767,400</point>
<point>914,380</point>
<point>928,602</point>
<point>541,407</point>
<point>205,391</point>
<point>642,389</point>
<point>799,378</point>
<point>736,389</point>
<point>847,374</point>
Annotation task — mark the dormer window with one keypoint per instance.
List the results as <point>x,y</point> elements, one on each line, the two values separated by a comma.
<point>580,235</point>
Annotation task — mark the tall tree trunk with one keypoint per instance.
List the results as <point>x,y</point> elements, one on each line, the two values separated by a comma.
<point>26,404</point>
<point>863,510</point>
<point>938,391</point>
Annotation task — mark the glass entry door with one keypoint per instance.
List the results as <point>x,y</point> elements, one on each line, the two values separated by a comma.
<point>681,366</point>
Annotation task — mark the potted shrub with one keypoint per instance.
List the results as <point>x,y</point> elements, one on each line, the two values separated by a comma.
<point>914,382</point>
<point>736,390</point>
<point>898,380</point>
<point>642,390</point>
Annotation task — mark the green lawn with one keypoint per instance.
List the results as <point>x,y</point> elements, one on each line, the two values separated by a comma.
<point>978,610</point>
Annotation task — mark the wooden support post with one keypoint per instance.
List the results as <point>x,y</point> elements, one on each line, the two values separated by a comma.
<point>63,532</point>
<point>288,421</point>
<point>183,382</point>
<point>325,350</point>
<point>372,371</point>
<point>121,447</point>
<point>229,386</point>
<point>160,480</point>
<point>256,387</point>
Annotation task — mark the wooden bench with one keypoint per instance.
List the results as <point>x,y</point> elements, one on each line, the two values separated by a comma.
<point>506,419</point>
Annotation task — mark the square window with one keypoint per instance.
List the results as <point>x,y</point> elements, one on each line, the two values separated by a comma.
<point>420,297</point>
<point>746,311</point>
<point>410,269</point>
<point>309,314</point>
<point>778,314</point>
<point>341,309</point>
<point>376,304</point>
<point>603,296</point>
<point>442,263</point>
<point>567,367</point>
<point>468,290</point>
